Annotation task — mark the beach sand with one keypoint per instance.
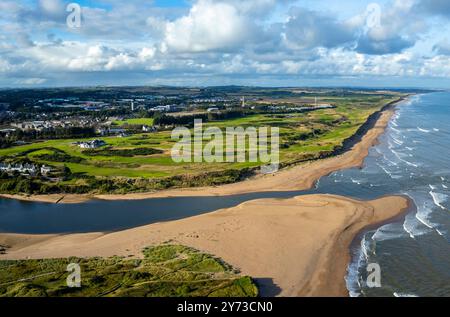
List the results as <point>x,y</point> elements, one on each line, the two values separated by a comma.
<point>300,177</point>
<point>52,199</point>
<point>292,247</point>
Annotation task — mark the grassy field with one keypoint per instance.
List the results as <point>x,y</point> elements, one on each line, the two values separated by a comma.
<point>303,136</point>
<point>164,271</point>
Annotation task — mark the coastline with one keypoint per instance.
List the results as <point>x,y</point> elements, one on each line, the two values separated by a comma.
<point>298,177</point>
<point>292,247</point>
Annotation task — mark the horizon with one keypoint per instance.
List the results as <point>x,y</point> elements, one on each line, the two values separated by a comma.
<point>368,88</point>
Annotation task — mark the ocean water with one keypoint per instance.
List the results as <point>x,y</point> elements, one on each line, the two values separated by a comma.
<point>413,159</point>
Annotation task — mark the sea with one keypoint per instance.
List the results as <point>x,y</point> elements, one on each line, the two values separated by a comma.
<point>412,159</point>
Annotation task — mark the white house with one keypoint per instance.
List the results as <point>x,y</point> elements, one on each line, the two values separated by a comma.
<point>92,144</point>
<point>21,168</point>
<point>147,128</point>
<point>46,169</point>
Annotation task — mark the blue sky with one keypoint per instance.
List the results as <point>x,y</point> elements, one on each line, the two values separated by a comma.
<point>386,43</point>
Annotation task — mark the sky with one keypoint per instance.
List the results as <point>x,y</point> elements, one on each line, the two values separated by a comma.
<point>386,43</point>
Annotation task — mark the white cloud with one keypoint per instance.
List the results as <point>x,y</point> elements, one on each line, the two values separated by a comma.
<point>54,7</point>
<point>31,81</point>
<point>210,25</point>
<point>438,66</point>
<point>147,53</point>
<point>399,29</point>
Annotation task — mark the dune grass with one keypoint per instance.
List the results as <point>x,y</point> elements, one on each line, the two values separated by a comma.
<point>164,271</point>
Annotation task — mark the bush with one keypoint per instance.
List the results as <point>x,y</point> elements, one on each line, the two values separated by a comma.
<point>60,157</point>
<point>123,152</point>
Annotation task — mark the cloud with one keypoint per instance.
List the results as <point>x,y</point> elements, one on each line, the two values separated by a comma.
<point>256,8</point>
<point>306,29</point>
<point>442,48</point>
<point>210,25</point>
<point>52,7</point>
<point>31,81</point>
<point>395,44</point>
<point>216,39</point>
<point>399,29</point>
<point>24,40</point>
<point>438,66</point>
<point>434,7</point>
<point>75,57</point>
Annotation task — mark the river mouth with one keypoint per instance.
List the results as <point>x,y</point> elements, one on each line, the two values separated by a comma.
<point>25,217</point>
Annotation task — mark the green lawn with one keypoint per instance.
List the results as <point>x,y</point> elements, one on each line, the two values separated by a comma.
<point>137,121</point>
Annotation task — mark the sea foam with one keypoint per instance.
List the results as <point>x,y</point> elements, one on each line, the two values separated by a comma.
<point>423,130</point>
<point>404,295</point>
<point>438,198</point>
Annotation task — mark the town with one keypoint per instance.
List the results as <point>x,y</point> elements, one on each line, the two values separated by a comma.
<point>26,115</point>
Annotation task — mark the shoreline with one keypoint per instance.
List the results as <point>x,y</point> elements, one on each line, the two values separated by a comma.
<point>355,245</point>
<point>291,247</point>
<point>354,151</point>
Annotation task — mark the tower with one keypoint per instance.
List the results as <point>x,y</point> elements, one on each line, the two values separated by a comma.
<point>132,106</point>
<point>243,102</point>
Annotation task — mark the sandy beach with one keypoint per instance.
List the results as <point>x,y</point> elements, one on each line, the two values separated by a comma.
<point>300,177</point>
<point>292,247</point>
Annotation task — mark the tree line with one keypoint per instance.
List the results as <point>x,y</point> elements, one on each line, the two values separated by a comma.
<point>163,119</point>
<point>6,139</point>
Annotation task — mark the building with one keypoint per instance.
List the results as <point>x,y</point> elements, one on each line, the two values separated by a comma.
<point>147,128</point>
<point>45,170</point>
<point>123,135</point>
<point>167,108</point>
<point>116,131</point>
<point>110,131</point>
<point>26,168</point>
<point>38,125</point>
<point>7,132</point>
<point>91,144</point>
